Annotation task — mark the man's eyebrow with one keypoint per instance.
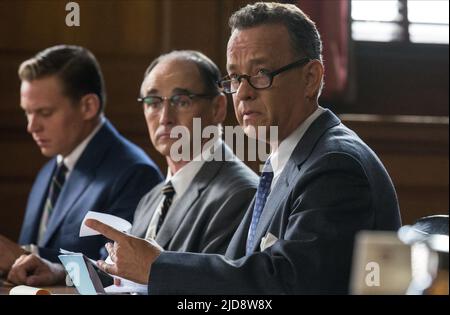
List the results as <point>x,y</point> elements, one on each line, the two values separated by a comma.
<point>181,91</point>
<point>38,109</point>
<point>150,91</point>
<point>175,91</point>
<point>259,61</point>
<point>231,67</point>
<point>252,63</point>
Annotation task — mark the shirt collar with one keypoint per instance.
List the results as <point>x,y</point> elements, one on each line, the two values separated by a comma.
<point>281,155</point>
<point>183,178</point>
<point>72,159</point>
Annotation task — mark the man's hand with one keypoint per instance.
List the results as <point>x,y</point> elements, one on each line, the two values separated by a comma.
<point>33,270</point>
<point>132,256</point>
<point>9,252</point>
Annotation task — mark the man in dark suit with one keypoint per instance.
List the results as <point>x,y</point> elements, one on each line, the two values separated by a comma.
<point>211,191</point>
<point>320,186</point>
<point>92,167</point>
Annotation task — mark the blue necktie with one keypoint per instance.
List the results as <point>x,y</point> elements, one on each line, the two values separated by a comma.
<point>261,196</point>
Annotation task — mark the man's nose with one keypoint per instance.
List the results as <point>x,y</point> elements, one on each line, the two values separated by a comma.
<point>33,124</point>
<point>166,113</point>
<point>245,91</point>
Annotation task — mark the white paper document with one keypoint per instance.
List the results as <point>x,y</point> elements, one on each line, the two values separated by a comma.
<point>108,219</point>
<point>27,290</point>
<point>127,286</point>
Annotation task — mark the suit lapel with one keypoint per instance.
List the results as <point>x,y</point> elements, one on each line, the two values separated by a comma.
<point>72,189</point>
<point>145,212</point>
<point>306,145</point>
<point>33,217</point>
<point>79,179</point>
<point>292,171</point>
<point>181,206</point>
<point>236,248</point>
<point>176,214</point>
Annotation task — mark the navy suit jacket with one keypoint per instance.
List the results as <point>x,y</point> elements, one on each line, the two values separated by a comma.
<point>111,176</point>
<point>332,186</point>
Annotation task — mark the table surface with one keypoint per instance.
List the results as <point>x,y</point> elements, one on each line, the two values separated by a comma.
<point>5,287</point>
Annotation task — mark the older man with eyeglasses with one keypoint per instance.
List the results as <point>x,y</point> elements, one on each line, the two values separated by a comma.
<point>205,194</point>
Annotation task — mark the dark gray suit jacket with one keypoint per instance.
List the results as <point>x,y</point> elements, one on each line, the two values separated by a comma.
<point>205,217</point>
<point>332,187</point>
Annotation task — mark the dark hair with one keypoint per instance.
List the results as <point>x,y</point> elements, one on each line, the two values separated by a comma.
<point>75,66</point>
<point>303,33</point>
<point>209,71</point>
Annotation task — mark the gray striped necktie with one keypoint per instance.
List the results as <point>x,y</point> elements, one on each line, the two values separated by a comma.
<point>58,179</point>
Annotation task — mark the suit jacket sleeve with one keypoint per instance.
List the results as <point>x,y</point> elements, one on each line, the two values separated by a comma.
<point>317,224</point>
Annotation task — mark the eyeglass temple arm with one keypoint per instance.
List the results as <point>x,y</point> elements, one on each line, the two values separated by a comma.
<point>292,65</point>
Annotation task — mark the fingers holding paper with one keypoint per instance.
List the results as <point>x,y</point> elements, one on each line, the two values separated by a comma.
<point>131,257</point>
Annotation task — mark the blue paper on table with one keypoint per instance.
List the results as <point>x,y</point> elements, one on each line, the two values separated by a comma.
<point>85,275</point>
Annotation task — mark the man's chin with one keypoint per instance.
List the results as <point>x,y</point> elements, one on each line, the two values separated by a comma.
<point>163,148</point>
<point>255,131</point>
<point>47,152</point>
<point>250,131</point>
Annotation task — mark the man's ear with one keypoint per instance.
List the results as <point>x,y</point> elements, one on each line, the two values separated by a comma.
<point>90,106</point>
<point>220,108</point>
<point>314,75</point>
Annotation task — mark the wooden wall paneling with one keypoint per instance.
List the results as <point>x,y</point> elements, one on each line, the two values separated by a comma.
<point>399,79</point>
<point>106,27</point>
<point>13,198</point>
<point>11,116</point>
<point>414,150</point>
<point>20,162</point>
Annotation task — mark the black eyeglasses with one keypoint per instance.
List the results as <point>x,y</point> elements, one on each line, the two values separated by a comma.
<point>180,102</point>
<point>260,81</point>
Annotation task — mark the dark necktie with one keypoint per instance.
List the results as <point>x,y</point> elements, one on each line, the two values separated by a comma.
<point>58,179</point>
<point>168,193</point>
<point>261,196</point>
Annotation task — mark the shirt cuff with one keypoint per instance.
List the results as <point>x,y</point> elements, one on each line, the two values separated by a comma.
<point>31,249</point>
